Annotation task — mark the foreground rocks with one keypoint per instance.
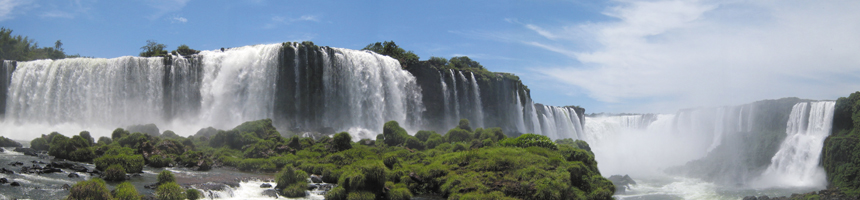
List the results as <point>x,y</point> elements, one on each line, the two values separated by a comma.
<point>828,194</point>
<point>622,183</point>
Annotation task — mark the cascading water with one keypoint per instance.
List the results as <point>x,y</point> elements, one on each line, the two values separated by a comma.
<point>796,162</point>
<point>478,106</point>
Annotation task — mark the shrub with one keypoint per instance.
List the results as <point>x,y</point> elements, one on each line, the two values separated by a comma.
<point>414,143</point>
<point>118,133</point>
<point>464,124</point>
<point>424,135</point>
<point>458,135</point>
<point>169,191</point>
<point>94,189</point>
<point>82,155</point>
<point>295,190</point>
<point>131,163</point>
<point>399,193</point>
<point>115,173</point>
<point>169,134</point>
<point>257,164</point>
<point>530,140</point>
<point>342,141</point>
<point>104,141</point>
<point>260,149</point>
<point>40,144</point>
<point>89,138</point>
<point>6,142</point>
<point>159,161</point>
<point>361,195</point>
<point>165,177</point>
<point>192,194</point>
<point>393,134</point>
<point>125,191</point>
<point>433,141</point>
<point>289,176</point>
<point>336,193</point>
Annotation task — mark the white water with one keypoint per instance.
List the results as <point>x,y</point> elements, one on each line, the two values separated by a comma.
<point>217,88</point>
<point>797,161</point>
<point>479,109</point>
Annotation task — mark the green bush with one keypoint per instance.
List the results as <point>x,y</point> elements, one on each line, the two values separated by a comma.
<point>125,191</point>
<point>424,135</point>
<point>360,195</point>
<point>529,140</point>
<point>342,141</point>
<point>104,141</point>
<point>414,143</point>
<point>169,191</point>
<point>40,144</point>
<point>115,173</point>
<point>159,161</point>
<point>289,176</point>
<point>193,194</point>
<point>336,193</point>
<point>118,133</point>
<point>165,176</point>
<point>6,142</point>
<point>83,155</point>
<point>399,193</point>
<point>131,163</point>
<point>393,134</point>
<point>94,189</point>
<point>257,164</point>
<point>458,135</point>
<point>433,141</point>
<point>464,124</point>
<point>295,190</point>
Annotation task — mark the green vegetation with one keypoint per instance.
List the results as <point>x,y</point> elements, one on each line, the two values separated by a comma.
<point>22,48</point>
<point>153,49</point>
<point>126,191</point>
<point>90,189</point>
<point>114,173</point>
<point>169,191</point>
<point>842,147</point>
<point>406,58</point>
<point>193,194</point>
<point>6,142</point>
<point>184,50</point>
<point>463,164</point>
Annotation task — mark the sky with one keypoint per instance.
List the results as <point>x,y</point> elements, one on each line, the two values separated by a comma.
<point>606,56</point>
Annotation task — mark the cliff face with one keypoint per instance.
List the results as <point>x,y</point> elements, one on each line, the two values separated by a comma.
<point>841,153</point>
<point>6,69</point>
<point>490,100</point>
<point>747,145</point>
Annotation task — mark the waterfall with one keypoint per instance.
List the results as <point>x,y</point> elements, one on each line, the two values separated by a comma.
<point>302,87</point>
<point>479,109</point>
<point>796,161</point>
<point>518,114</point>
<point>456,102</point>
<point>447,105</point>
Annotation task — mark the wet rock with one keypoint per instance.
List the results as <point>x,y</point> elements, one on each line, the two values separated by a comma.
<point>270,193</point>
<point>3,181</point>
<point>74,175</point>
<point>210,186</point>
<point>17,163</point>
<point>312,186</point>
<point>151,187</point>
<point>316,179</point>
<point>27,151</point>
<point>50,170</point>
<point>63,165</point>
<point>67,187</point>
<point>15,184</point>
<point>622,183</point>
<point>266,185</point>
<point>79,168</point>
<point>6,171</point>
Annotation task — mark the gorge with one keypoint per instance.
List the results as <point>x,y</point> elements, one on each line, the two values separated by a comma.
<point>305,88</point>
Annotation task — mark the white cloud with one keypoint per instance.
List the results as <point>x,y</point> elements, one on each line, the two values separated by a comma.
<point>692,53</point>
<point>7,7</point>
<point>280,20</point>
<point>163,7</point>
<point>69,10</point>
<point>181,20</point>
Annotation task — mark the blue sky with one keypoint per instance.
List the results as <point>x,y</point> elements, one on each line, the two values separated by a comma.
<point>607,56</point>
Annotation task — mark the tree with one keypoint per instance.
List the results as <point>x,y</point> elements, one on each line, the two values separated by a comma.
<point>388,48</point>
<point>153,49</point>
<point>22,48</point>
<point>184,50</point>
<point>464,62</point>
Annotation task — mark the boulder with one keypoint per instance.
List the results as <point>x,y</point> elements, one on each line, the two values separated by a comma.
<point>6,171</point>
<point>66,186</point>
<point>3,181</point>
<point>622,183</point>
<point>74,175</point>
<point>270,193</point>
<point>316,179</point>
<point>15,184</point>
<point>312,186</point>
<point>266,185</point>
<point>27,151</point>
